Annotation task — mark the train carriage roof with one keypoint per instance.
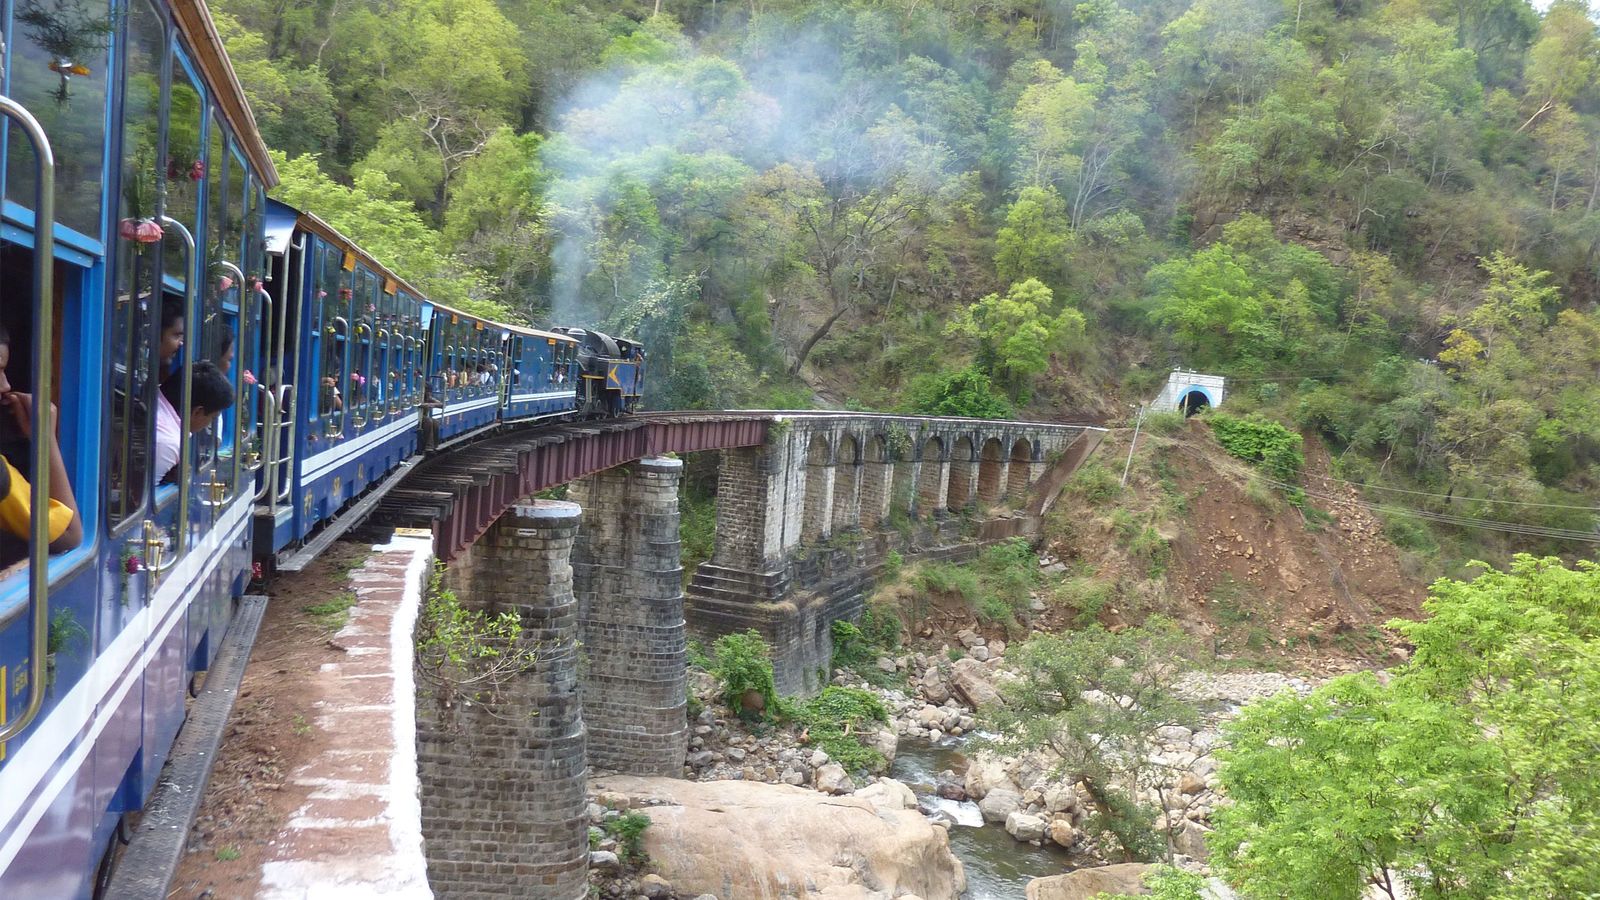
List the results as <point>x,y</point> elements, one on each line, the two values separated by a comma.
<point>200,33</point>
<point>283,219</point>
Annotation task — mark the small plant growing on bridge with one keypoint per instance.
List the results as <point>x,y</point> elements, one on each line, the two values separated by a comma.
<point>464,655</point>
<point>742,665</point>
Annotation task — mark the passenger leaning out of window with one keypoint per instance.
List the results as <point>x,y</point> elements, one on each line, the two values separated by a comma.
<point>16,447</point>
<point>172,331</point>
<point>212,393</point>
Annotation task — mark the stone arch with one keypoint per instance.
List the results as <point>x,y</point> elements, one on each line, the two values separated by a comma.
<point>846,478</point>
<point>930,479</point>
<point>875,469</point>
<point>819,489</point>
<point>902,490</point>
<point>959,495</point>
<point>991,472</point>
<point>1019,469</point>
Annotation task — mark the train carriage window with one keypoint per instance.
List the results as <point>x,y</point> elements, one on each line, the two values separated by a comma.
<point>135,302</point>
<point>218,329</point>
<point>59,58</point>
<point>387,365</point>
<point>185,169</point>
<point>362,309</point>
<point>335,330</point>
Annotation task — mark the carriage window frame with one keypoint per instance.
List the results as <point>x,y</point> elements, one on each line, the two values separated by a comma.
<point>216,440</point>
<point>137,435</point>
<point>335,302</point>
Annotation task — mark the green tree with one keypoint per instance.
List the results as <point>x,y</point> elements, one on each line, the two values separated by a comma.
<point>1033,242</point>
<point>1094,699</point>
<point>1563,62</point>
<point>967,392</point>
<point>1468,775</point>
<point>1017,333</point>
<point>371,214</point>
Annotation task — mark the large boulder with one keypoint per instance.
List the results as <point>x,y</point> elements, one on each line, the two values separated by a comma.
<point>1024,827</point>
<point>987,772</point>
<point>969,679</point>
<point>833,779</point>
<point>999,804</point>
<point>1124,878</point>
<point>748,839</point>
<point>886,793</point>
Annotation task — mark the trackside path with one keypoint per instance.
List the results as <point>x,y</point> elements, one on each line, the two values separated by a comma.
<point>358,830</point>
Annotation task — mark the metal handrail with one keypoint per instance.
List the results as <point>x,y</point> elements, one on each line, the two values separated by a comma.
<point>44,267</point>
<point>191,314</point>
<point>269,425</point>
<point>285,387</point>
<point>239,393</point>
<point>359,414</point>
<point>285,464</point>
<point>269,436</point>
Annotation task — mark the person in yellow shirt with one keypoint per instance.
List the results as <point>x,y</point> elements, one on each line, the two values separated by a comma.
<point>16,437</point>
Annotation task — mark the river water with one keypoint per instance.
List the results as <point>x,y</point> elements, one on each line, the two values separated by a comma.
<point>998,867</point>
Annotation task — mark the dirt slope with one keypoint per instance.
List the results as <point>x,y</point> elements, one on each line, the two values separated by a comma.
<point>1257,577</point>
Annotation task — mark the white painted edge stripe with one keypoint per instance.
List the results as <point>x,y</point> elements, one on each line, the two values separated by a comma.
<point>323,463</point>
<point>452,409</point>
<point>405,785</point>
<point>54,736</point>
<point>548,395</point>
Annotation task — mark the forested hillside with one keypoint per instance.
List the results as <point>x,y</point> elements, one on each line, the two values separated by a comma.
<point>1378,218</point>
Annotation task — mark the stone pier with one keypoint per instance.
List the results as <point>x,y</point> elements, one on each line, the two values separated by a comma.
<point>503,777</point>
<point>628,578</point>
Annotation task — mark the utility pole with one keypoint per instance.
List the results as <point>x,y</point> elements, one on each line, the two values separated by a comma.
<point>1134,443</point>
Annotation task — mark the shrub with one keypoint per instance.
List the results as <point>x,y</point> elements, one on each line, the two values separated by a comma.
<point>1259,440</point>
<point>834,719</point>
<point>1164,422</point>
<point>742,665</point>
<point>1094,484</point>
<point>1408,532</point>
<point>628,829</point>
<point>892,564</point>
<point>850,646</point>
<point>967,392</point>
<point>946,578</point>
<point>1088,595</point>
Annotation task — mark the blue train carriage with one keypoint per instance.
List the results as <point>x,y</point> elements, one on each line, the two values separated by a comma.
<point>466,358</point>
<point>538,383</point>
<point>612,373</point>
<point>131,250</point>
<point>344,414</point>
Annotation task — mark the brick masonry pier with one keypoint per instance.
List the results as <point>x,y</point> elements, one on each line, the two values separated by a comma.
<point>503,779</point>
<point>628,577</point>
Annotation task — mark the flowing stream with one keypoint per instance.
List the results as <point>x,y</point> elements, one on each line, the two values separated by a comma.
<point>998,867</point>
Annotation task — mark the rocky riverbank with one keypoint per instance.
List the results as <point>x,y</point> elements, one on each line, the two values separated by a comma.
<point>936,705</point>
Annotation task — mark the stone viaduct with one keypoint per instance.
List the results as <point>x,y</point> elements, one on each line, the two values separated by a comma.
<point>808,507</point>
